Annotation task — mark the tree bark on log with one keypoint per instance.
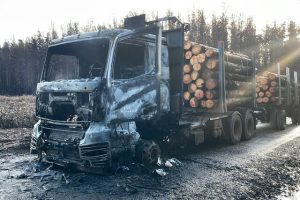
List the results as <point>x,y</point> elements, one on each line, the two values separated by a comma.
<point>231,84</point>
<point>237,93</point>
<point>238,69</point>
<point>238,101</point>
<point>237,77</point>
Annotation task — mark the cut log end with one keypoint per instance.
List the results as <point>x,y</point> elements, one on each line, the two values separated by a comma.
<point>199,94</point>
<point>199,82</point>
<point>211,84</point>
<point>265,99</point>
<point>210,94</point>
<point>209,53</point>
<point>261,94</point>
<point>186,68</point>
<point>196,49</point>
<point>192,87</point>
<point>194,102</point>
<point>187,45</point>
<point>210,104</point>
<point>193,60</point>
<point>195,75</point>
<point>201,58</point>
<point>211,64</point>
<point>203,104</point>
<point>188,55</point>
<point>273,83</point>
<point>187,79</point>
<point>259,100</point>
<point>197,67</point>
<point>186,96</point>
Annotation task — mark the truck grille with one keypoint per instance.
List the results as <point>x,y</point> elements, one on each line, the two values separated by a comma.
<point>97,154</point>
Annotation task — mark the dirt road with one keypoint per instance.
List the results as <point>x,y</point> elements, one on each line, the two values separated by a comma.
<point>263,167</point>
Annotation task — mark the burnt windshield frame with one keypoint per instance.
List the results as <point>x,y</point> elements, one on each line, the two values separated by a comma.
<point>74,48</point>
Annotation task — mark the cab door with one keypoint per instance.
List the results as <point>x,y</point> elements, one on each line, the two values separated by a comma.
<point>134,92</point>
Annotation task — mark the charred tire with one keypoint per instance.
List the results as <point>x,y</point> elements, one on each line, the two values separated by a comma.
<point>273,118</point>
<point>248,125</point>
<point>233,128</point>
<point>147,152</point>
<point>281,119</point>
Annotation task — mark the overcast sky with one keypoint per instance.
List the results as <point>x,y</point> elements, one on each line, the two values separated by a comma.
<point>22,18</point>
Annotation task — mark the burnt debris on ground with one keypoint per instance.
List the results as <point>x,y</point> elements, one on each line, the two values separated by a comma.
<point>195,175</point>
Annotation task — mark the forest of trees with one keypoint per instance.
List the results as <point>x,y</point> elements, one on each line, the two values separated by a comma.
<point>21,61</point>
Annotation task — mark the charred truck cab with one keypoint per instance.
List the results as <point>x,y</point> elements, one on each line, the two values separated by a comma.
<point>109,95</point>
<point>94,89</point>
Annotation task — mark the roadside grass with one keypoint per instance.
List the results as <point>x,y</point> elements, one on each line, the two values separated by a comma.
<point>17,111</point>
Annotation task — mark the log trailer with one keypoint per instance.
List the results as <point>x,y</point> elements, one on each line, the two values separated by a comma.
<point>277,97</point>
<point>108,95</point>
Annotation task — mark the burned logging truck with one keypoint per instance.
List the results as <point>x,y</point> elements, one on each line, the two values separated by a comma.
<point>107,95</point>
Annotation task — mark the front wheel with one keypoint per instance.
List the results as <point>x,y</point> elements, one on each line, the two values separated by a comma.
<point>147,152</point>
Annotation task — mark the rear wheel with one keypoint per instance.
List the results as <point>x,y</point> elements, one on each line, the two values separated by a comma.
<point>295,117</point>
<point>233,128</point>
<point>273,118</point>
<point>281,119</point>
<point>248,125</point>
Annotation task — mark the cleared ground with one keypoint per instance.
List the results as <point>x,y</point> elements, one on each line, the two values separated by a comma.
<point>263,167</point>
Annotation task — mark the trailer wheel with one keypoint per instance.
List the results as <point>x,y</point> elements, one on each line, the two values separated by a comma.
<point>281,119</point>
<point>295,117</point>
<point>233,128</point>
<point>248,125</point>
<point>273,118</point>
<point>298,116</point>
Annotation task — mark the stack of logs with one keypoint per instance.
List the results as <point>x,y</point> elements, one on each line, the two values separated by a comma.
<point>267,90</point>
<point>201,75</point>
